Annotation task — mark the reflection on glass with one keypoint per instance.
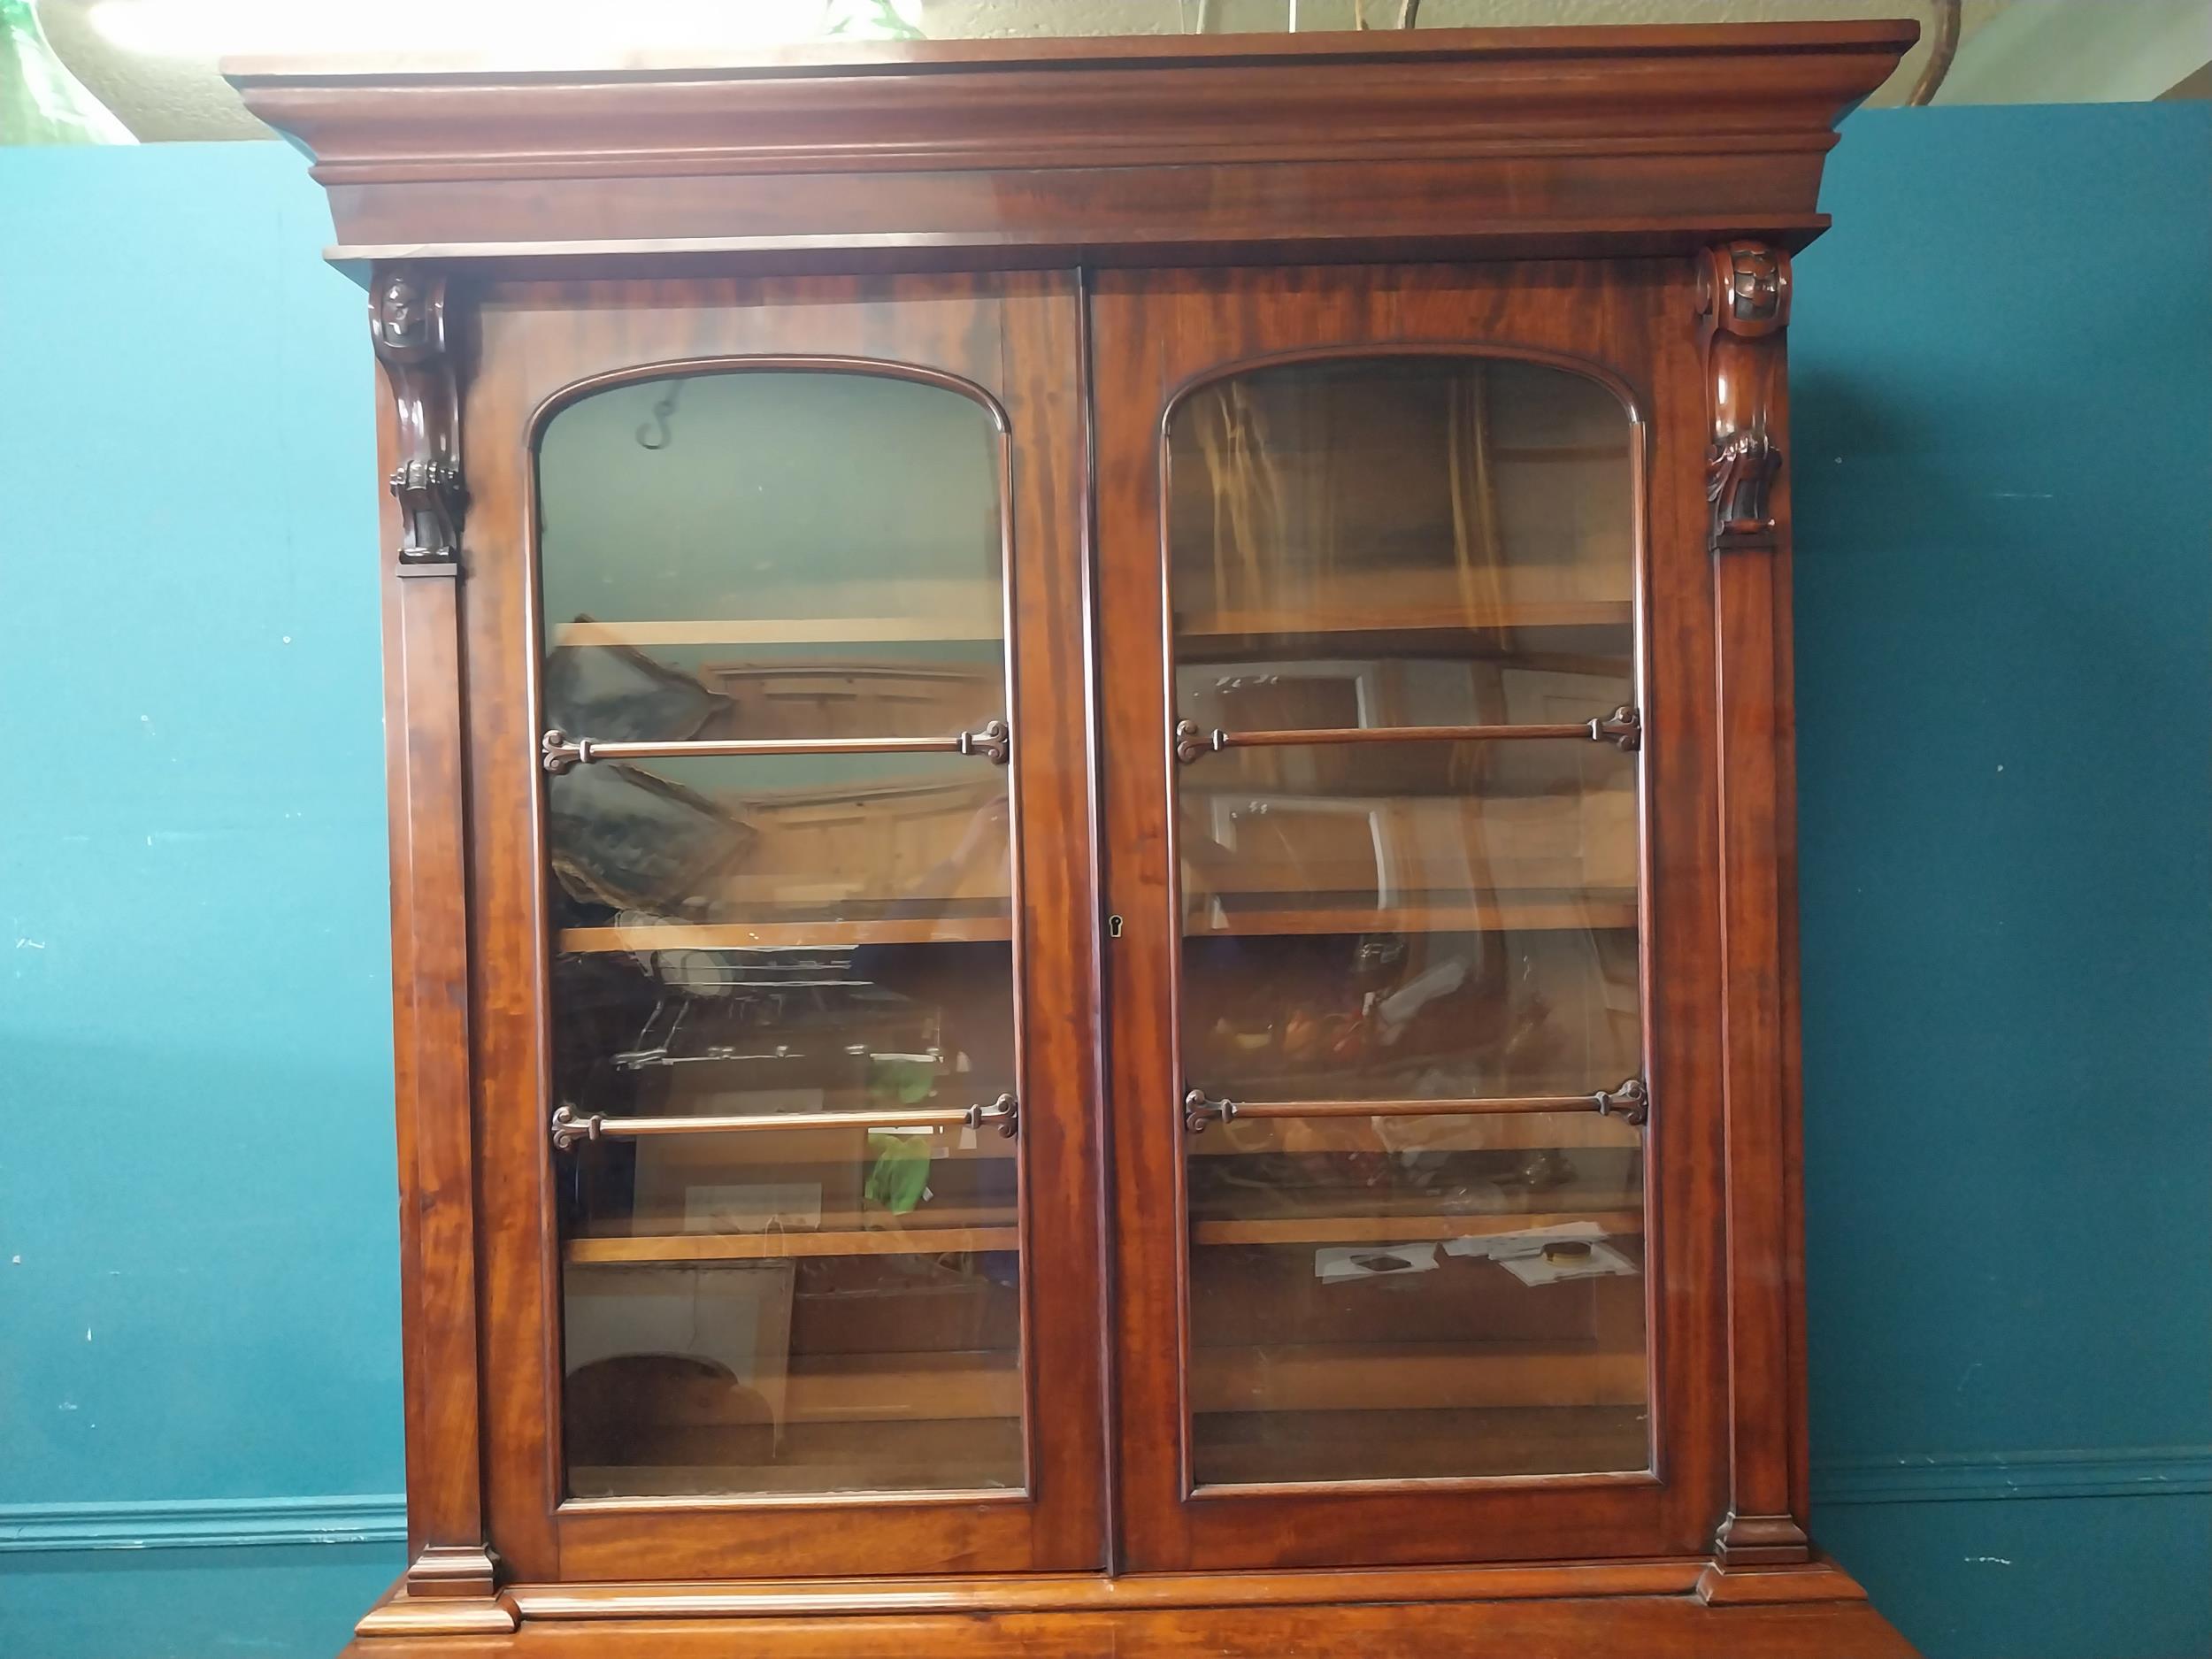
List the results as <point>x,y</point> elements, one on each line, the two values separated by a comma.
<point>771,555</point>
<point>781,1309</point>
<point>1407,541</point>
<point>1383,544</point>
<point>1399,1297</point>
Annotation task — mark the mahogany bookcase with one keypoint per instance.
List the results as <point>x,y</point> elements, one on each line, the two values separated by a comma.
<point>1091,804</point>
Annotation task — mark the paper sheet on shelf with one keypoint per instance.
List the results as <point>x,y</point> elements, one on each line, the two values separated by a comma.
<point>1526,1241</point>
<point>1603,1262</point>
<point>1340,1262</point>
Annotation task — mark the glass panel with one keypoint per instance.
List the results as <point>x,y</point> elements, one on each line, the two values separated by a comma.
<point>1380,1298</point>
<point>1401,542</point>
<point>771,556</point>
<point>1383,544</point>
<point>803,1309</point>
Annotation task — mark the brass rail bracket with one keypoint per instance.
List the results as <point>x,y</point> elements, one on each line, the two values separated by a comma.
<point>1005,1111</point>
<point>571,1126</point>
<point>1631,1102</point>
<point>1191,741</point>
<point>558,751</point>
<point>1624,727</point>
<point>992,741</point>
<point>1200,1109</point>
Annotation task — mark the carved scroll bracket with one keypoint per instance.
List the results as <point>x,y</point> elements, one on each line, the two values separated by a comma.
<point>1743,305</point>
<point>407,323</point>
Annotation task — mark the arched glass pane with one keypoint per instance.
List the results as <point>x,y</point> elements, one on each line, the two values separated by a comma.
<point>808,941</point>
<point>1404,588</point>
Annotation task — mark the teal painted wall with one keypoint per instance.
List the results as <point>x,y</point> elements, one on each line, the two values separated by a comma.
<point>198,1237</point>
<point>2004,484</point>
<point>2002,385</point>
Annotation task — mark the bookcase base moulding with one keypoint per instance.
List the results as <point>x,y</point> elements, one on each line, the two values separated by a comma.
<point>1667,1609</point>
<point>1093,866</point>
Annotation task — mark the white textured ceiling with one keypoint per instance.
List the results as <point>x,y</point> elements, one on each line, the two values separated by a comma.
<point>170,97</point>
<point>955,17</point>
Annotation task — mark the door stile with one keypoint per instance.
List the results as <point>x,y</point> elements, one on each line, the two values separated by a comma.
<point>1049,597</point>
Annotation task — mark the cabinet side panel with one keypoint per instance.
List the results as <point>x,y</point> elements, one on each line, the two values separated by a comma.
<point>430,1050</point>
<point>1745,293</point>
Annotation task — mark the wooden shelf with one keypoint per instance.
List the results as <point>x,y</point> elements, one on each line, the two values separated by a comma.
<point>825,1391</point>
<point>1234,1447</point>
<point>1504,1132</point>
<point>1609,908</point>
<point>775,1247</point>
<point>1376,440</point>
<point>966,1383</point>
<point>1371,603</point>
<point>926,608</point>
<point>1222,624</point>
<point>886,1455</point>
<point>1441,612</point>
<point>1403,1229</point>
<point>784,631</point>
<point>900,930</point>
<point>1318,1211</point>
<point>1414,1376</point>
<point>1237,1448</point>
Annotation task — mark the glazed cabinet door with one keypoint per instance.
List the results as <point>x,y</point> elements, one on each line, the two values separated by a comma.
<point>1408,754</point>
<point>782,809</point>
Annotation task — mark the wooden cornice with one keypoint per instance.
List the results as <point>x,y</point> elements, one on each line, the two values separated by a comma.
<point>968,153</point>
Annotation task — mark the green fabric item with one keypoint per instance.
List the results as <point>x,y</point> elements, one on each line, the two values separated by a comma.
<point>900,1175</point>
<point>896,1078</point>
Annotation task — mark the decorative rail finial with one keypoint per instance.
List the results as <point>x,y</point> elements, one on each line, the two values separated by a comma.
<point>1200,1109</point>
<point>571,1126</point>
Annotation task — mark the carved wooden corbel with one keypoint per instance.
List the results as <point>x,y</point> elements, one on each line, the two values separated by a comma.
<point>1743,303</point>
<point>407,322</point>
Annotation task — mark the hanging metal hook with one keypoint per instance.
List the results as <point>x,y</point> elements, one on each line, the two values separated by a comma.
<point>654,434</point>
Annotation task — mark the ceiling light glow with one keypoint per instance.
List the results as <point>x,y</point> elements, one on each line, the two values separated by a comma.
<point>519,30</point>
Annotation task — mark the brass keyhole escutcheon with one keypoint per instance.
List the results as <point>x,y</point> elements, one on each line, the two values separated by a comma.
<point>1113,927</point>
